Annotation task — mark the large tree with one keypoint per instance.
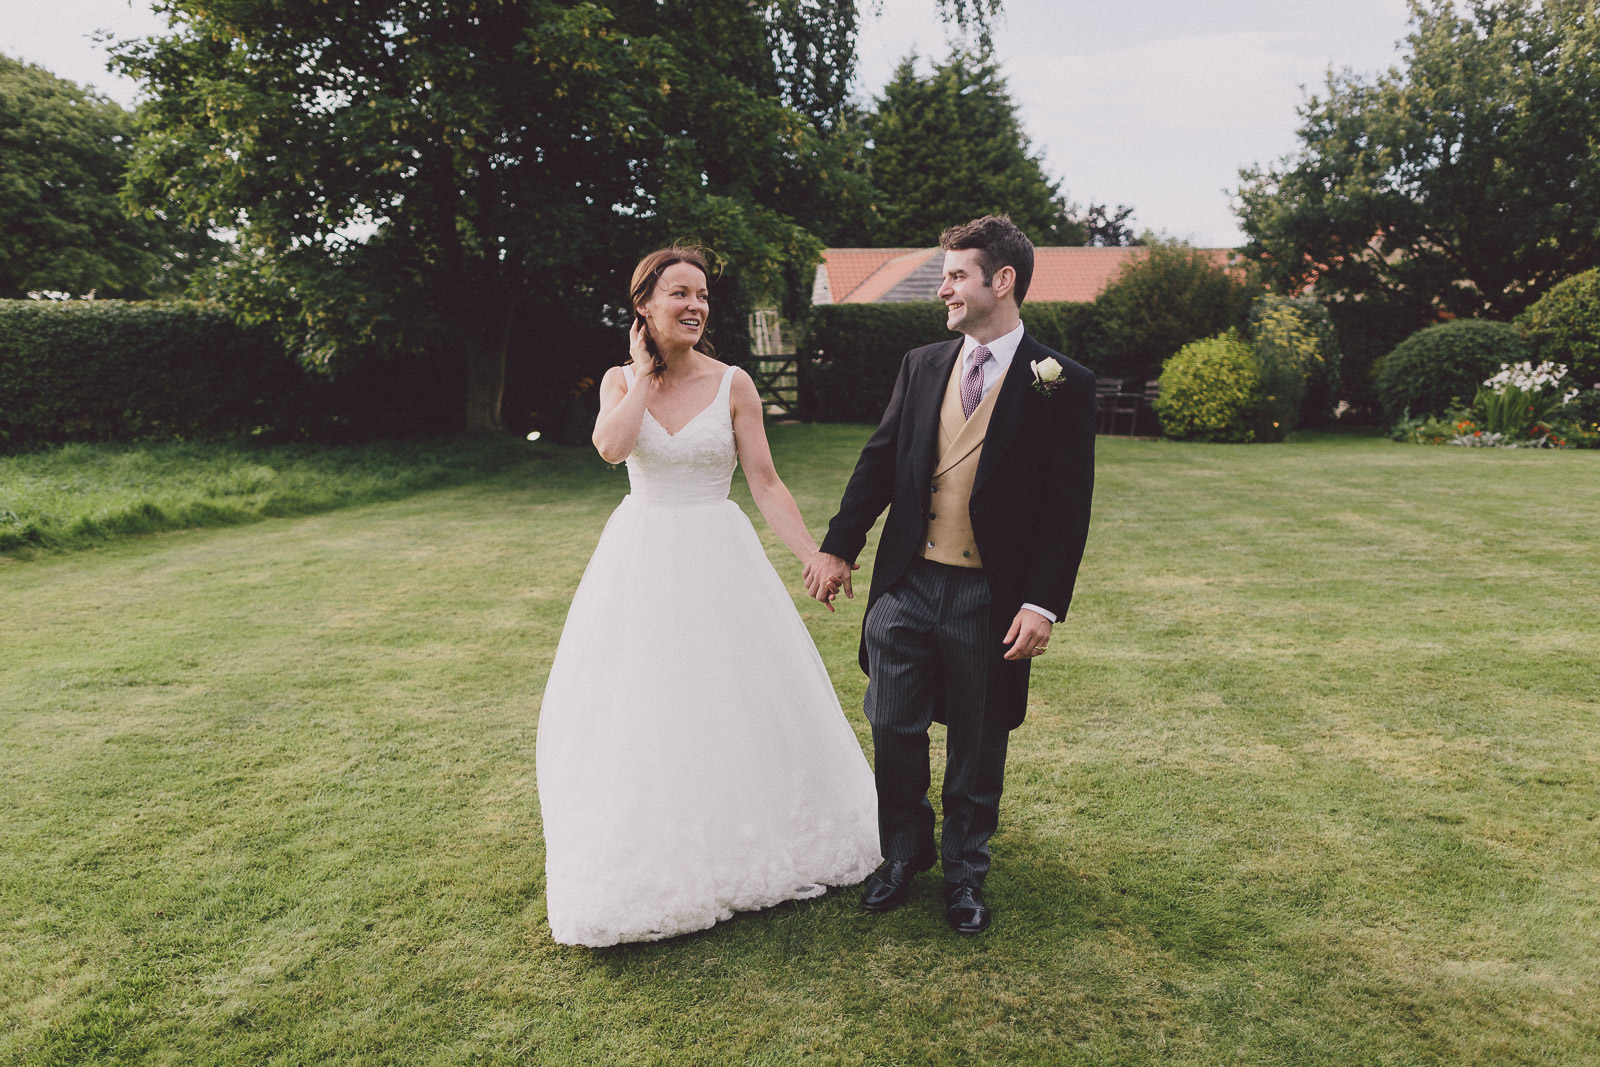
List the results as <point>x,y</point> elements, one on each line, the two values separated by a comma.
<point>448,177</point>
<point>1466,180</point>
<point>949,146</point>
<point>63,228</point>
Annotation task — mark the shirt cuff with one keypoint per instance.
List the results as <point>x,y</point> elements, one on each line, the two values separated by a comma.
<point>1037,610</point>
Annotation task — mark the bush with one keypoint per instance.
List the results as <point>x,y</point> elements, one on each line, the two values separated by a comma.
<point>1162,300</point>
<point>1563,326</point>
<point>1577,424</point>
<point>849,354</point>
<point>111,370</point>
<point>1298,359</point>
<point>1211,391</point>
<point>1444,365</point>
<point>1431,429</point>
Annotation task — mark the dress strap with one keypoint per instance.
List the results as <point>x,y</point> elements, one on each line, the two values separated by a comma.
<point>627,374</point>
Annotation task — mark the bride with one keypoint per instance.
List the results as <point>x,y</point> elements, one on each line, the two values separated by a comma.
<point>693,760</point>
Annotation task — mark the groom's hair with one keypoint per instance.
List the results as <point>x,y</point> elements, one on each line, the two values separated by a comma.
<point>999,244</point>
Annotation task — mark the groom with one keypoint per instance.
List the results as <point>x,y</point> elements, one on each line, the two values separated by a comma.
<point>985,460</point>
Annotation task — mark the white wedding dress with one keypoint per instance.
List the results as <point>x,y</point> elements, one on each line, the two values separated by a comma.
<point>693,760</point>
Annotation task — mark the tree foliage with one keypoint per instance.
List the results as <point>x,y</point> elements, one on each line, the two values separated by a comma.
<point>63,154</point>
<point>463,183</point>
<point>1464,181</point>
<point>949,146</point>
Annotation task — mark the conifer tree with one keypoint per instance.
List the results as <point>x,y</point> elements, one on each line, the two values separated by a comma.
<point>949,147</point>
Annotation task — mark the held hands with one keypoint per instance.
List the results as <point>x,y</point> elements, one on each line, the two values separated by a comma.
<point>825,575</point>
<point>1029,635</point>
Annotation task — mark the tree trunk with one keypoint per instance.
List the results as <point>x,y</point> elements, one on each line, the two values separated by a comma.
<point>486,375</point>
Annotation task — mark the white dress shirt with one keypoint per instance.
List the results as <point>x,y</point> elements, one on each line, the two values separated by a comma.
<point>1001,351</point>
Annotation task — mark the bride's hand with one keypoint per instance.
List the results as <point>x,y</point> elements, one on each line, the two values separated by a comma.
<point>826,575</point>
<point>644,364</point>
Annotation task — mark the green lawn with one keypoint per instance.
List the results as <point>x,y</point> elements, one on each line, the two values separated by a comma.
<point>78,495</point>
<point>1311,776</point>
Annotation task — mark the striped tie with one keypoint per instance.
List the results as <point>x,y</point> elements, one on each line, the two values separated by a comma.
<point>972,382</point>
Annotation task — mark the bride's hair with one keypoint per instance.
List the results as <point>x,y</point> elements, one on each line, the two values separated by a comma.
<point>648,273</point>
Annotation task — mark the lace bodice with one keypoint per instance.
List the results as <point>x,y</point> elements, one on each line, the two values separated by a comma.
<point>694,465</point>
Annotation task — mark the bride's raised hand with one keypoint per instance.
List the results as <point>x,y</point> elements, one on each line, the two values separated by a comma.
<point>644,364</point>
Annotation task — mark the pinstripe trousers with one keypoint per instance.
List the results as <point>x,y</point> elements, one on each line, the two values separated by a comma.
<point>928,646</point>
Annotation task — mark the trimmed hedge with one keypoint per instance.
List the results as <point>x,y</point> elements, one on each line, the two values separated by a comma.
<point>111,370</point>
<point>849,354</point>
<point>1563,326</point>
<point>1443,365</point>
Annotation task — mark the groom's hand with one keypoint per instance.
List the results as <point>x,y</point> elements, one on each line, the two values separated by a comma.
<point>1029,635</point>
<point>826,575</point>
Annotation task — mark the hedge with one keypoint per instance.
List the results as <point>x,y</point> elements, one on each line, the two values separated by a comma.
<point>121,370</point>
<point>849,354</point>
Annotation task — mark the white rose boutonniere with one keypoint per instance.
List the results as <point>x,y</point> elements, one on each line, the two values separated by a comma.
<point>1046,375</point>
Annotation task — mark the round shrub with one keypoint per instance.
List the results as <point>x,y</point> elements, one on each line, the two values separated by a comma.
<point>1211,391</point>
<point>1563,326</point>
<point>1443,365</point>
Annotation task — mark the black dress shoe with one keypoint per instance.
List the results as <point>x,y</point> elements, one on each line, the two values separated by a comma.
<point>964,909</point>
<point>887,886</point>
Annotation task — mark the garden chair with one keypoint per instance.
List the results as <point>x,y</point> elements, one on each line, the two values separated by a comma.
<point>1106,392</point>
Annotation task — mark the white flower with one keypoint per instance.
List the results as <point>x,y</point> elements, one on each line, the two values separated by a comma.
<point>1045,370</point>
<point>1526,377</point>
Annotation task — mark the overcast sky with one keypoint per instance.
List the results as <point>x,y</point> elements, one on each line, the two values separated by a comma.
<point>1151,103</point>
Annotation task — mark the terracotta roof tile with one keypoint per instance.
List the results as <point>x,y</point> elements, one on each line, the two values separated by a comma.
<point>848,268</point>
<point>865,275</point>
<point>886,277</point>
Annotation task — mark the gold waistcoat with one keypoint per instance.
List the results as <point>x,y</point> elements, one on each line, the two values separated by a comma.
<point>949,536</point>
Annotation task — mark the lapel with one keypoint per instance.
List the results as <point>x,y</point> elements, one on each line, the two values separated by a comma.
<point>1005,420</point>
<point>927,401</point>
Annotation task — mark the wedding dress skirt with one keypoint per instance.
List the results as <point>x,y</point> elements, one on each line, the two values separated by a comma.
<point>693,759</point>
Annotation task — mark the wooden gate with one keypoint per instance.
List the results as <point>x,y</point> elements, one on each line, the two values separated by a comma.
<point>773,366</point>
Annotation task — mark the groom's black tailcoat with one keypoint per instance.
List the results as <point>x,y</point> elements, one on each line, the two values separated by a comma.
<point>1030,497</point>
